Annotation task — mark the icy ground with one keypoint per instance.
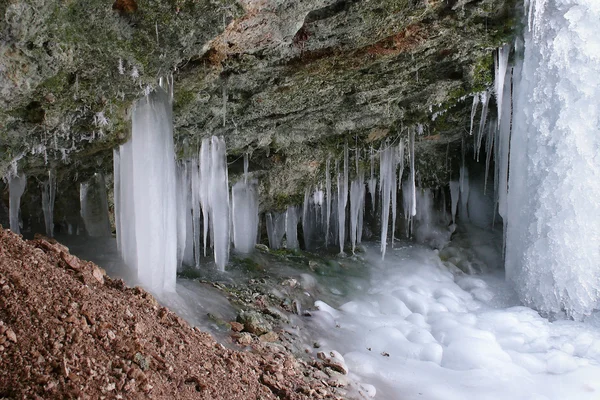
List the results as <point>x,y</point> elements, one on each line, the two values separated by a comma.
<point>416,327</point>
<point>425,330</point>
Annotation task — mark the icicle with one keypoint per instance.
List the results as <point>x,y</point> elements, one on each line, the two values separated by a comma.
<point>413,173</point>
<point>94,206</point>
<point>219,202</point>
<point>372,181</point>
<point>343,200</point>
<point>204,179</point>
<point>199,196</point>
<point>501,65</point>
<point>454,195</point>
<point>503,147</point>
<point>275,229</point>
<point>116,197</point>
<point>246,163</point>
<point>489,145</point>
<point>401,149</point>
<point>16,187</point>
<point>361,214</point>
<point>245,215</point>
<point>356,206</point>
<point>48,195</point>
<point>291,228</point>
<point>183,188</point>
<point>224,102</point>
<point>485,96</point>
<point>474,112</point>
<point>464,193</point>
<point>386,166</point>
<point>328,190</point>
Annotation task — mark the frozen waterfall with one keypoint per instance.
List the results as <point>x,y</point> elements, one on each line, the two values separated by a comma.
<point>147,203</point>
<point>553,212</point>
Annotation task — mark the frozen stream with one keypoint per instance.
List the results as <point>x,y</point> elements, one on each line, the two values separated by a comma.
<point>414,326</point>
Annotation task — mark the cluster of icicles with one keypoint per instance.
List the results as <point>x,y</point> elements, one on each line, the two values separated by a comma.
<point>170,214</point>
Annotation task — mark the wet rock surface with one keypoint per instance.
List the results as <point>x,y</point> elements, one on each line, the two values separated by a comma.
<point>65,333</point>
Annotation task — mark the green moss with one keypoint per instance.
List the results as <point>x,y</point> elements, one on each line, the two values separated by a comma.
<point>483,73</point>
<point>183,98</point>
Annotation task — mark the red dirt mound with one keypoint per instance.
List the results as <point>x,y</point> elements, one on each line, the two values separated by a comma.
<point>69,331</point>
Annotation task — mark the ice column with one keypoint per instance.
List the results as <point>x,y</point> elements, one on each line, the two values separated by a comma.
<point>291,227</point>
<point>204,180</point>
<point>275,229</point>
<point>48,195</point>
<point>245,215</point>
<point>327,199</point>
<point>183,211</point>
<point>154,192</point>
<point>125,205</point>
<point>387,178</point>
<point>454,195</point>
<point>553,212</point>
<point>219,201</point>
<point>94,206</point>
<point>343,200</point>
<point>16,187</point>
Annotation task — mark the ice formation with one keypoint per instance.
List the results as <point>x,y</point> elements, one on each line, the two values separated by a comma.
<point>372,183</point>
<point>203,190</point>
<point>327,200</point>
<point>244,212</point>
<point>357,204</point>
<point>94,206</point>
<point>342,189</point>
<point>275,229</point>
<point>553,212</point>
<point>219,202</point>
<point>454,195</point>
<point>147,203</point>
<point>125,206</point>
<point>291,228</point>
<point>464,193</point>
<point>16,187</point>
<point>485,97</point>
<point>183,211</point>
<point>48,196</point>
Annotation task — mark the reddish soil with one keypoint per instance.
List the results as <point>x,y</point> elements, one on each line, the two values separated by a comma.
<point>69,331</point>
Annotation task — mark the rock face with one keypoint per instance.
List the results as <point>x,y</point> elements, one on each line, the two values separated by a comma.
<point>287,81</point>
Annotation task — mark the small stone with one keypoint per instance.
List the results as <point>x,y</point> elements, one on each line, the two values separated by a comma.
<point>261,247</point>
<point>269,337</point>
<point>111,335</point>
<point>140,360</point>
<point>290,282</point>
<point>110,387</point>
<point>10,334</point>
<point>98,274</point>
<point>236,326</point>
<point>254,322</point>
<point>245,339</point>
